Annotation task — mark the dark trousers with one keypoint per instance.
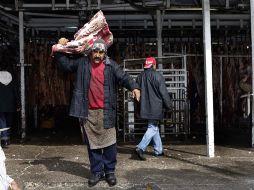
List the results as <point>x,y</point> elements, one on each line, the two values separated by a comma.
<point>5,122</point>
<point>102,160</point>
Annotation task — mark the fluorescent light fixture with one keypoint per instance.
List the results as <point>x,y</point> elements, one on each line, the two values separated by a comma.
<point>71,27</point>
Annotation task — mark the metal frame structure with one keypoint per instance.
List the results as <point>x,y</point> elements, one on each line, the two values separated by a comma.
<point>175,122</point>
<point>130,4</point>
<point>62,15</point>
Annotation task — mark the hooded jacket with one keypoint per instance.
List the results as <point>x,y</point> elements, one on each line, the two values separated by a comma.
<point>154,95</point>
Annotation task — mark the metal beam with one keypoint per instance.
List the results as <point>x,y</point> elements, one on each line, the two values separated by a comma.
<point>99,4</point>
<point>167,4</point>
<point>110,7</point>
<point>5,8</point>
<point>16,5</point>
<point>45,5</point>
<point>67,4</point>
<point>126,17</point>
<point>22,74</point>
<point>13,18</point>
<point>64,22</point>
<point>208,78</point>
<point>89,4</point>
<point>252,53</point>
<point>159,51</point>
<point>159,31</point>
<point>227,4</point>
<point>62,6</point>
<point>50,15</point>
<point>53,4</point>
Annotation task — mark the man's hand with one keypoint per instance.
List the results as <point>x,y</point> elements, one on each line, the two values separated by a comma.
<point>136,94</point>
<point>63,41</point>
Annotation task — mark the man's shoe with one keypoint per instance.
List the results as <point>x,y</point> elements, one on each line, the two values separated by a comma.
<point>111,179</point>
<point>94,179</point>
<point>140,154</point>
<point>157,155</point>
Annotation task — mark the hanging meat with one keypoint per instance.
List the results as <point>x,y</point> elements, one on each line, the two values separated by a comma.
<point>96,28</point>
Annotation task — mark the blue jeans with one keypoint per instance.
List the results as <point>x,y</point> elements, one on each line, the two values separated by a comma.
<point>152,133</point>
<point>3,124</point>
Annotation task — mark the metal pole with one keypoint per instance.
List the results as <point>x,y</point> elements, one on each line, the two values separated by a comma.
<point>131,120</point>
<point>159,40</point>
<point>89,4</point>
<point>16,4</point>
<point>53,4</point>
<point>221,91</point>
<point>99,4</point>
<point>227,4</point>
<point>208,78</point>
<point>167,4</point>
<point>159,52</point>
<point>22,74</point>
<point>124,107</point>
<point>67,4</point>
<point>252,55</point>
<point>185,68</point>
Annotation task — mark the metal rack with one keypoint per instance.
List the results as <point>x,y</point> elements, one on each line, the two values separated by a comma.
<point>174,70</point>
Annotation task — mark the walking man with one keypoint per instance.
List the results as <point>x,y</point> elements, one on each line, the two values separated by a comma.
<point>94,103</point>
<point>154,96</point>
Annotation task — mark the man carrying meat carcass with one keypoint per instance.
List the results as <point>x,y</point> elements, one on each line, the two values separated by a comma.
<point>94,103</point>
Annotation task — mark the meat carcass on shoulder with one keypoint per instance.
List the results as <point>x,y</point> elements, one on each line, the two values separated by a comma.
<point>96,28</point>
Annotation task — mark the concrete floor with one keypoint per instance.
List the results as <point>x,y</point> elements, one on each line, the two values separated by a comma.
<point>40,165</point>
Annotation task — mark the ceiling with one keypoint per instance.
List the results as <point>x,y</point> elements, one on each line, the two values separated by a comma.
<point>67,15</point>
<point>141,4</point>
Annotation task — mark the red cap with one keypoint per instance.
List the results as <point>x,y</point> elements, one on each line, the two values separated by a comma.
<point>149,62</point>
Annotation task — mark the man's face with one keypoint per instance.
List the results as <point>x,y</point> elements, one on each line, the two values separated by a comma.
<point>98,56</point>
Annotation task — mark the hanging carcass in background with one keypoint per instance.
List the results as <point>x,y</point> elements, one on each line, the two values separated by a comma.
<point>47,84</point>
<point>231,77</point>
<point>48,88</point>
